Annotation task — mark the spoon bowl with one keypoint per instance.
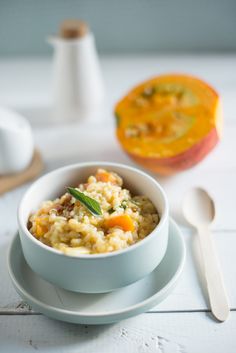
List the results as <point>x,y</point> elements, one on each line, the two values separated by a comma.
<point>198,207</point>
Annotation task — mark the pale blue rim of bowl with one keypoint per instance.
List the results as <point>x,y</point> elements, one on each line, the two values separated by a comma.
<point>147,302</point>
<point>163,218</point>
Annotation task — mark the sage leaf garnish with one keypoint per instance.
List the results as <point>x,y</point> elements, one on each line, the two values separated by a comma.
<point>91,204</point>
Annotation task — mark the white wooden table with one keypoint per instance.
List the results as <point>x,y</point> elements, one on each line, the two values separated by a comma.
<point>182,323</point>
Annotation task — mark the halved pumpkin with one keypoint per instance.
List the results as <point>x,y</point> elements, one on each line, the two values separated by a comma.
<point>169,123</point>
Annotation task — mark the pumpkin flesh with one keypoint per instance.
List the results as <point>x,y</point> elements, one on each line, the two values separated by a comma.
<point>164,118</point>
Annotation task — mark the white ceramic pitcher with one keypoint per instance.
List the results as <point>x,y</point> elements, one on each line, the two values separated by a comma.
<point>78,87</point>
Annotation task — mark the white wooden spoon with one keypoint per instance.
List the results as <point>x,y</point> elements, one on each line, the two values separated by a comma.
<point>199,210</point>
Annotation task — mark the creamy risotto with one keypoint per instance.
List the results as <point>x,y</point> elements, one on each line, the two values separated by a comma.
<point>70,225</point>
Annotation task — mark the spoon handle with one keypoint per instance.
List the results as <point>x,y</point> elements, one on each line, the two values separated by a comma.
<point>212,269</point>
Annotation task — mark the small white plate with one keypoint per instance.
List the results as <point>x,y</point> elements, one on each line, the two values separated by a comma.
<point>104,308</point>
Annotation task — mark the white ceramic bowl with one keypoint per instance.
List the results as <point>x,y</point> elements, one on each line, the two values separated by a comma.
<point>96,273</point>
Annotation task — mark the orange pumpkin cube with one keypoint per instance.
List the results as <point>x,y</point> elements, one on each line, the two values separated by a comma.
<point>123,221</point>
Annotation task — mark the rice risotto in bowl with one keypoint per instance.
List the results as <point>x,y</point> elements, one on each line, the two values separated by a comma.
<point>99,216</point>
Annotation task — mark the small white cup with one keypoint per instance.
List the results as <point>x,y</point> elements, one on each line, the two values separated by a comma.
<point>16,142</point>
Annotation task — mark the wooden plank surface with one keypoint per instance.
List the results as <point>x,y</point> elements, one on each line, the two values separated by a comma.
<point>147,333</point>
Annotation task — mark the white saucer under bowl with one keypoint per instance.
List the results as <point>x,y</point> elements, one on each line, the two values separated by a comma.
<point>105,308</point>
